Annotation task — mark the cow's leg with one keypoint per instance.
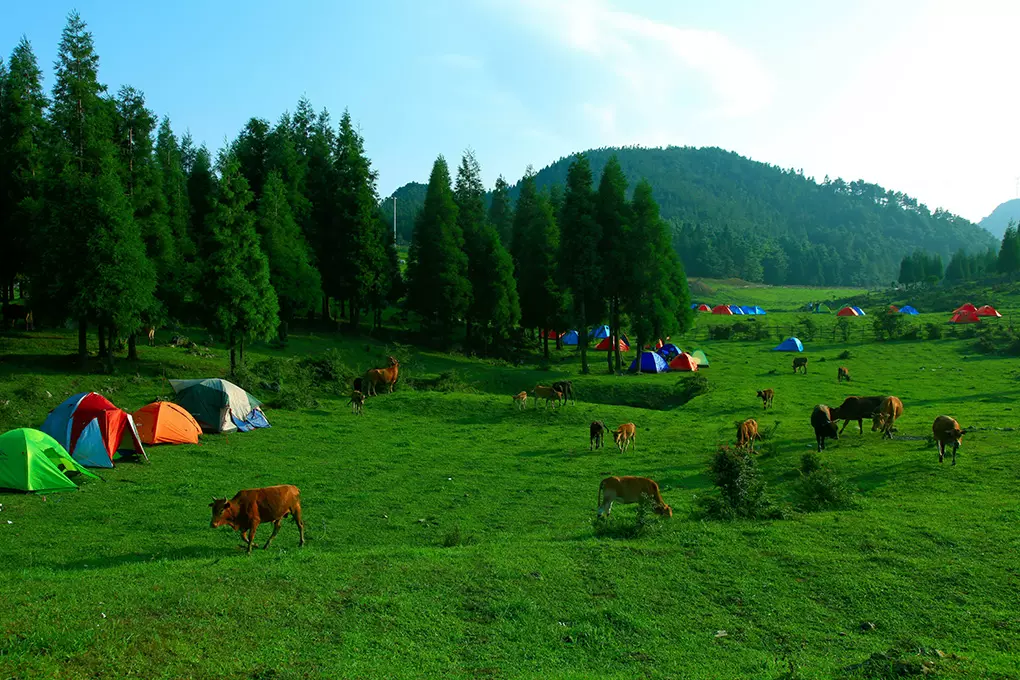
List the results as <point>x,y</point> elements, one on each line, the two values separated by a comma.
<point>956,445</point>
<point>300,523</point>
<point>942,450</point>
<point>251,533</point>
<point>860,425</point>
<point>276,530</point>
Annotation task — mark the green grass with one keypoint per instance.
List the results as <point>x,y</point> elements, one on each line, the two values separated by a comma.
<point>452,536</point>
<point>772,298</point>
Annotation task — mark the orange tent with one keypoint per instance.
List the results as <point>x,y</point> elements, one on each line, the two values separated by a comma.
<point>847,311</point>
<point>893,309</point>
<point>965,308</point>
<point>966,316</point>
<point>163,422</point>
<point>607,344</point>
<point>988,310</point>
<point>722,309</point>
<point>683,362</point>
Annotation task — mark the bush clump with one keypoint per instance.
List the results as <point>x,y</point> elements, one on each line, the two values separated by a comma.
<point>820,488</point>
<point>743,494</point>
<point>845,355</point>
<point>933,331</point>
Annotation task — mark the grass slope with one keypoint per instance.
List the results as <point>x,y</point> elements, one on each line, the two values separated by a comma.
<point>451,536</point>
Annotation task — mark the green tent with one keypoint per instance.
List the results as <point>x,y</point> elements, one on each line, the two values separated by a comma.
<point>822,309</point>
<point>702,359</point>
<point>31,460</point>
<point>213,401</point>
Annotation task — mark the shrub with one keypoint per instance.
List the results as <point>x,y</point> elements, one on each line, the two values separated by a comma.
<point>742,492</point>
<point>721,332</point>
<point>933,330</point>
<point>889,326</point>
<point>808,328</point>
<point>691,386</point>
<point>842,329</point>
<point>820,488</point>
<point>845,354</point>
<point>447,381</point>
<point>810,462</point>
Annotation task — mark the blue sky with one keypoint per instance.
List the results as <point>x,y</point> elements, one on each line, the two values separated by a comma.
<point>917,95</point>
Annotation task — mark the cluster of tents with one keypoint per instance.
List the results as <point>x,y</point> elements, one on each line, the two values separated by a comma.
<point>729,309</point>
<point>668,357</point>
<point>88,431</point>
<point>968,313</point>
<point>600,333</point>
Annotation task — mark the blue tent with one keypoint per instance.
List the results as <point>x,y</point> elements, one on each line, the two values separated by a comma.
<point>758,310</point>
<point>58,422</point>
<point>909,310</point>
<point>860,312</point>
<point>569,338</point>
<point>789,345</point>
<point>599,332</point>
<point>694,305</point>
<point>744,309</point>
<point>736,310</point>
<point>669,350</point>
<point>650,363</point>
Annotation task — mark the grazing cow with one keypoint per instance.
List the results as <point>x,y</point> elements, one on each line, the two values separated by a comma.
<point>822,422</point>
<point>842,373</point>
<point>386,376</point>
<point>856,408</point>
<point>548,393</point>
<point>152,336</point>
<point>567,388</point>
<point>747,432</point>
<point>357,402</point>
<point>624,436</point>
<point>630,490</point>
<point>800,363</point>
<point>250,507</point>
<point>596,434</point>
<point>886,415</point>
<point>521,400</point>
<point>766,396</point>
<point>946,431</point>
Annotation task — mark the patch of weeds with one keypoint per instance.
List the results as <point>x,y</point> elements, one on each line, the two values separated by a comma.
<point>845,355</point>
<point>454,537</point>
<point>646,522</point>
<point>820,488</point>
<point>743,494</point>
<point>447,381</point>
<point>899,662</point>
<point>768,446</point>
<point>933,331</point>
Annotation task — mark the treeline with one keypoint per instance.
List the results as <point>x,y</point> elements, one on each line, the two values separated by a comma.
<point>112,220</point>
<point>921,267</point>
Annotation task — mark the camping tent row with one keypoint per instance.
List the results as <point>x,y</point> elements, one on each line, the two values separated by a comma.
<point>653,362</point>
<point>851,311</point>
<point>968,313</point>
<point>732,309</point>
<point>601,333</point>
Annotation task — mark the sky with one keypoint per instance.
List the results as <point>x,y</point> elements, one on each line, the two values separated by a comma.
<point>919,96</point>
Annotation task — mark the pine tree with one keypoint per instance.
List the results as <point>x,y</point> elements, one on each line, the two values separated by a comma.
<point>292,275</point>
<point>469,195</point>
<point>251,148</point>
<point>438,287</point>
<point>178,289</point>
<point>322,183</point>
<point>201,196</point>
<point>238,293</point>
<point>22,136</point>
<point>501,212</point>
<point>613,215</point>
<point>579,259</point>
<point>1009,252</point>
<point>536,238</point>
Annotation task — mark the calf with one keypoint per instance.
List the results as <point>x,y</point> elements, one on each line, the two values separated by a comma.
<point>747,432</point>
<point>886,415</point>
<point>521,400</point>
<point>596,434</point>
<point>549,394</point>
<point>821,421</point>
<point>250,507</point>
<point>946,431</point>
<point>630,490</point>
<point>842,373</point>
<point>800,363</point>
<point>624,436</point>
<point>357,402</point>
<point>766,396</point>
<point>856,408</point>
<point>566,387</point>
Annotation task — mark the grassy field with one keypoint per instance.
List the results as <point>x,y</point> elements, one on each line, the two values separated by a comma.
<point>772,298</point>
<point>452,536</point>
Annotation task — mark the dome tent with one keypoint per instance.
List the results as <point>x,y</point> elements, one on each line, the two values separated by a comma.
<point>965,308</point>
<point>607,345</point>
<point>736,310</point>
<point>965,316</point>
<point>823,309</point>
<point>599,332</point>
<point>988,310</point>
<point>683,362</point>
<point>847,311</point>
<point>721,309</point>
<point>92,429</point>
<point>669,350</point>
<point>218,405</point>
<point>704,308</point>
<point>31,460</point>
<point>906,309</point>
<point>570,338</point>
<point>650,363</point>
<point>789,345</point>
<point>164,422</point>
<point>702,359</point>
<point>860,312</point>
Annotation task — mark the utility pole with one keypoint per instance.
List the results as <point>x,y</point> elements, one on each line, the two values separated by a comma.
<point>394,221</point>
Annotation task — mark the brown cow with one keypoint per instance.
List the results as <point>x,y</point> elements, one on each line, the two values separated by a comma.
<point>521,400</point>
<point>357,402</point>
<point>567,388</point>
<point>747,432</point>
<point>886,415</point>
<point>596,434</point>
<point>250,507</point>
<point>386,376</point>
<point>549,394</point>
<point>946,431</point>
<point>624,436</point>
<point>856,408</point>
<point>823,424</point>
<point>800,363</point>
<point>630,490</point>
<point>842,373</point>
<point>766,397</point>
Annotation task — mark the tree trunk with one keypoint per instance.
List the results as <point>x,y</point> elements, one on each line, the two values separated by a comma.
<point>467,332</point>
<point>325,308</point>
<point>233,359</point>
<point>111,334</point>
<point>616,332</point>
<point>240,351</point>
<point>133,347</point>
<point>83,343</point>
<point>283,330</point>
<point>545,344</point>
<point>559,341</point>
<point>102,340</point>
<point>582,338</point>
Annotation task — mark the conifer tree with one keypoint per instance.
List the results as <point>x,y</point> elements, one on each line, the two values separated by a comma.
<point>438,287</point>
<point>239,296</point>
<point>178,290</point>
<point>612,213</point>
<point>251,148</point>
<point>501,212</point>
<point>201,197</point>
<point>469,195</point>
<point>580,260</point>
<point>321,176</point>
<point>1009,252</point>
<point>536,239</point>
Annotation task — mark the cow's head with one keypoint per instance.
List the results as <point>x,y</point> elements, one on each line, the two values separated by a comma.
<point>877,421</point>
<point>223,512</point>
<point>831,429</point>
<point>957,434</point>
<point>663,510</point>
<point>617,435</point>
<point>761,394</point>
<point>393,361</point>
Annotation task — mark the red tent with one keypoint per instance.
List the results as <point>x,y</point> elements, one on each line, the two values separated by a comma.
<point>607,344</point>
<point>552,334</point>
<point>893,309</point>
<point>683,362</point>
<point>847,311</point>
<point>966,316</point>
<point>704,308</point>
<point>658,345</point>
<point>988,310</point>
<point>722,309</point>
<point>965,308</point>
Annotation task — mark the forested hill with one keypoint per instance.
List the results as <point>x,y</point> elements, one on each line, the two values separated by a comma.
<point>1000,218</point>
<point>410,199</point>
<point>734,217</point>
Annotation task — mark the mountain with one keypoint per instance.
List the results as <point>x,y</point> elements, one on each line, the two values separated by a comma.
<point>735,217</point>
<point>1001,216</point>
<point>410,199</point>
